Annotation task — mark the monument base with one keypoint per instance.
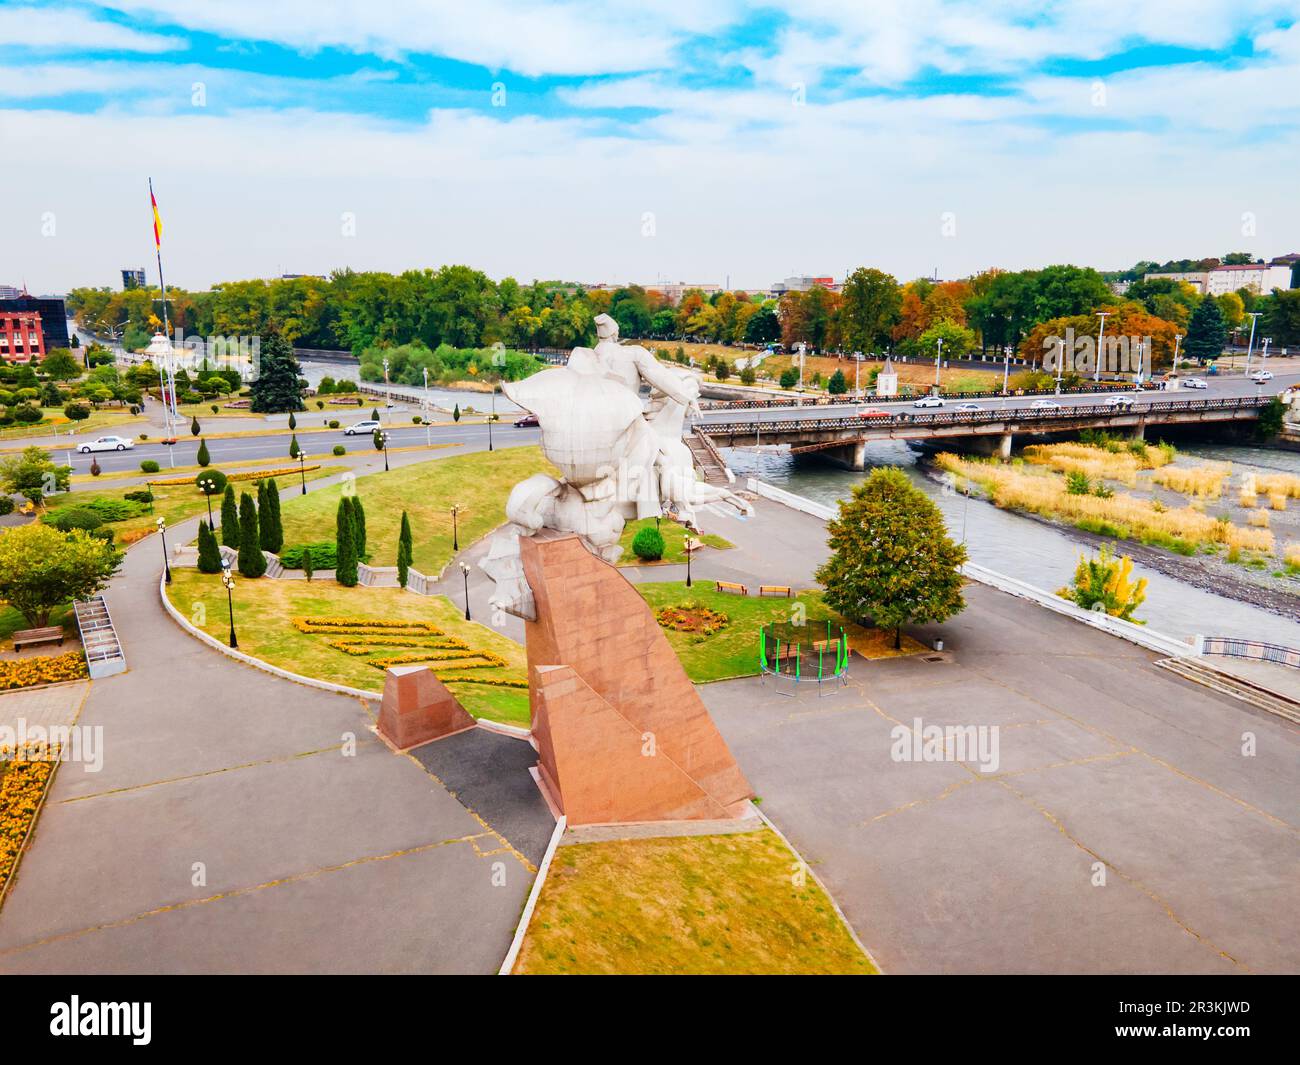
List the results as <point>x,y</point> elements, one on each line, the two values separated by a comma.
<point>417,708</point>
<point>621,733</point>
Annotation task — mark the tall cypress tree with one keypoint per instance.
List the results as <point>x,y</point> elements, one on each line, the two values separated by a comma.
<point>203,458</point>
<point>359,526</point>
<point>345,546</point>
<point>274,539</point>
<point>252,563</point>
<point>404,549</point>
<point>229,518</point>
<point>265,523</point>
<point>209,552</point>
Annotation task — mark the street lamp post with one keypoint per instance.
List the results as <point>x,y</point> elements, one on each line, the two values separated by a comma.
<point>302,469</point>
<point>492,416</point>
<point>428,439</point>
<point>1060,362</point>
<point>388,393</point>
<point>227,579</point>
<point>687,544</point>
<point>464,570</point>
<point>455,534</point>
<point>1006,368</point>
<point>1096,370</point>
<point>162,531</point>
<point>938,355</point>
<point>1178,338</point>
<point>1250,345</point>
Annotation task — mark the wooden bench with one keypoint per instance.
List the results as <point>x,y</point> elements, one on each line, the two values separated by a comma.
<point>32,637</point>
<point>730,586</point>
<point>774,589</point>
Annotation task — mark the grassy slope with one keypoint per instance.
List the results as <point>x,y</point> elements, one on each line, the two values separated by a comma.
<point>689,905</point>
<point>264,609</point>
<point>479,483</point>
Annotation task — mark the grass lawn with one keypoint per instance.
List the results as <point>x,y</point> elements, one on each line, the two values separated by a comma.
<point>732,651</point>
<point>674,542</point>
<point>11,621</point>
<point>477,483</point>
<point>173,502</point>
<point>55,420</point>
<point>264,610</point>
<point>688,905</point>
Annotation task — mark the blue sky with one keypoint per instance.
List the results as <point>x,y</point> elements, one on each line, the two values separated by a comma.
<point>638,141</point>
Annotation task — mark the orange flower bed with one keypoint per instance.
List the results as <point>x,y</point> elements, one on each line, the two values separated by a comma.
<point>47,669</point>
<point>691,617</point>
<point>251,475</point>
<point>22,785</point>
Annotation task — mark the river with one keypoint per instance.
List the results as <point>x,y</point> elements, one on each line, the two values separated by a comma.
<point>1035,552</point>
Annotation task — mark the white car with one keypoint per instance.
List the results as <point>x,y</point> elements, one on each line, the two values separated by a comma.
<point>367,427</point>
<point>106,443</point>
<point>1194,382</point>
<point>929,401</point>
<point>1120,401</point>
<point>1046,404</point>
<point>1260,376</point>
<point>969,406</point>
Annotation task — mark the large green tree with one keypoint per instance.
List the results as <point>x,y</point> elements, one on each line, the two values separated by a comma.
<point>42,567</point>
<point>1206,332</point>
<point>892,560</point>
<point>33,474</point>
<point>871,300</point>
<point>276,388</point>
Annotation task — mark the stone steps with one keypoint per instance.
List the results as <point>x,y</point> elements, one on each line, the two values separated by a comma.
<point>1263,698</point>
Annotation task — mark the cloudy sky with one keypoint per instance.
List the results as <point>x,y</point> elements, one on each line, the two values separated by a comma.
<point>675,140</point>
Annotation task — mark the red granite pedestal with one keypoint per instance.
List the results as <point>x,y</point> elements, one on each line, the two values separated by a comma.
<point>417,708</point>
<point>622,736</point>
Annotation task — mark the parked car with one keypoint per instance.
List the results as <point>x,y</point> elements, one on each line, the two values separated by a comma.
<point>1260,376</point>
<point>969,407</point>
<point>873,412</point>
<point>1120,401</point>
<point>929,401</point>
<point>1045,404</point>
<point>1195,382</point>
<point>528,421</point>
<point>106,443</point>
<point>368,426</point>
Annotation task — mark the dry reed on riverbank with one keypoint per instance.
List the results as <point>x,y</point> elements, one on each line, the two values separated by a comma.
<point>1258,518</point>
<point>1121,515</point>
<point>1204,481</point>
<point>1286,484</point>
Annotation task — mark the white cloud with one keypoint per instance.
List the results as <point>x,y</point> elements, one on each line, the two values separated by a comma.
<point>68,29</point>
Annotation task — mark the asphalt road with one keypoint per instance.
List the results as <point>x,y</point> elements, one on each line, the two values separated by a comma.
<point>1218,388</point>
<point>315,445</point>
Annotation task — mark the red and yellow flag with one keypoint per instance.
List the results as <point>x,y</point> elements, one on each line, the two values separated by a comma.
<point>157,221</point>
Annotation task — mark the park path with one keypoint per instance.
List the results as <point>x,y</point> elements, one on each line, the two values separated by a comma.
<point>244,823</point>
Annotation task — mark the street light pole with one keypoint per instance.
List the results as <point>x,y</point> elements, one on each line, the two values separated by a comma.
<point>302,470</point>
<point>1060,361</point>
<point>229,581</point>
<point>428,439</point>
<point>938,355</point>
<point>687,544</point>
<point>1096,371</point>
<point>464,569</point>
<point>383,439</point>
<point>493,415</point>
<point>162,531</point>
<point>1006,367</point>
<point>1250,346</point>
<point>455,535</point>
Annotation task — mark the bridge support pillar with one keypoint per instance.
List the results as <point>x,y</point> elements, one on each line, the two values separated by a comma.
<point>851,455</point>
<point>1140,431</point>
<point>1004,447</point>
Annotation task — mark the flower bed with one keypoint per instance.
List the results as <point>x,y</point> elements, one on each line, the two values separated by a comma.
<point>691,616</point>
<point>426,642</point>
<point>251,475</point>
<point>46,669</point>
<point>22,786</point>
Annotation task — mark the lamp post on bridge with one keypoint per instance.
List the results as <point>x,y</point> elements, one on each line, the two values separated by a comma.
<point>1250,345</point>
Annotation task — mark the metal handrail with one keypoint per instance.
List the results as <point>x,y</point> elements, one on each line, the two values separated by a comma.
<point>1257,650</point>
<point>1035,414</point>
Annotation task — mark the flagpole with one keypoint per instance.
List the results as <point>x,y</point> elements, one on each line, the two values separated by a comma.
<point>169,400</point>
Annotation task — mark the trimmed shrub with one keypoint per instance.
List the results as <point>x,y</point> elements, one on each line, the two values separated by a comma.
<point>78,517</point>
<point>308,563</point>
<point>142,495</point>
<point>648,544</point>
<point>339,449</point>
<point>149,466</point>
<point>6,505</point>
<point>203,458</point>
<point>323,555</point>
<point>334,423</point>
<point>209,552</point>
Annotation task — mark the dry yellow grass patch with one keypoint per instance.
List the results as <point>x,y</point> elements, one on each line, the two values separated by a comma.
<point>729,904</point>
<point>1287,484</point>
<point>1122,515</point>
<point>1258,518</point>
<point>1291,554</point>
<point>1094,462</point>
<point>1277,501</point>
<point>1204,481</point>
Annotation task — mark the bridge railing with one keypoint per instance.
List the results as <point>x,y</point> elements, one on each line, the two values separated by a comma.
<point>1256,650</point>
<point>1019,415</point>
<point>818,400</point>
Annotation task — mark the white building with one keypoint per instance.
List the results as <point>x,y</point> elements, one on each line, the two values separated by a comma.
<point>1260,278</point>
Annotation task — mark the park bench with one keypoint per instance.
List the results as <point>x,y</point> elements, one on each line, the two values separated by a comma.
<point>730,586</point>
<point>775,589</point>
<point>32,637</point>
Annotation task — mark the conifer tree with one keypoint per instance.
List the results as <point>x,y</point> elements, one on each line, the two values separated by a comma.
<point>229,518</point>
<point>252,563</point>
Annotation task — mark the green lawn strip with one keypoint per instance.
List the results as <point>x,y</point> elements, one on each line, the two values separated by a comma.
<point>56,421</point>
<point>732,651</point>
<point>174,502</point>
<point>674,542</point>
<point>264,610</point>
<point>477,483</point>
<point>686,905</point>
<point>11,621</point>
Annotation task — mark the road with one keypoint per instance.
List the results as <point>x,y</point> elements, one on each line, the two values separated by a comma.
<point>276,446</point>
<point>1219,388</point>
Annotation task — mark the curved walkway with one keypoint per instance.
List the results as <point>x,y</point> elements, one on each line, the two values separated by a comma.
<point>243,823</point>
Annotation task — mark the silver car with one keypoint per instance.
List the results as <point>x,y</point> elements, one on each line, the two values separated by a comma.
<point>106,443</point>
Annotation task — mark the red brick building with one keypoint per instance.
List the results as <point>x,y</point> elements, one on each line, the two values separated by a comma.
<point>21,337</point>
